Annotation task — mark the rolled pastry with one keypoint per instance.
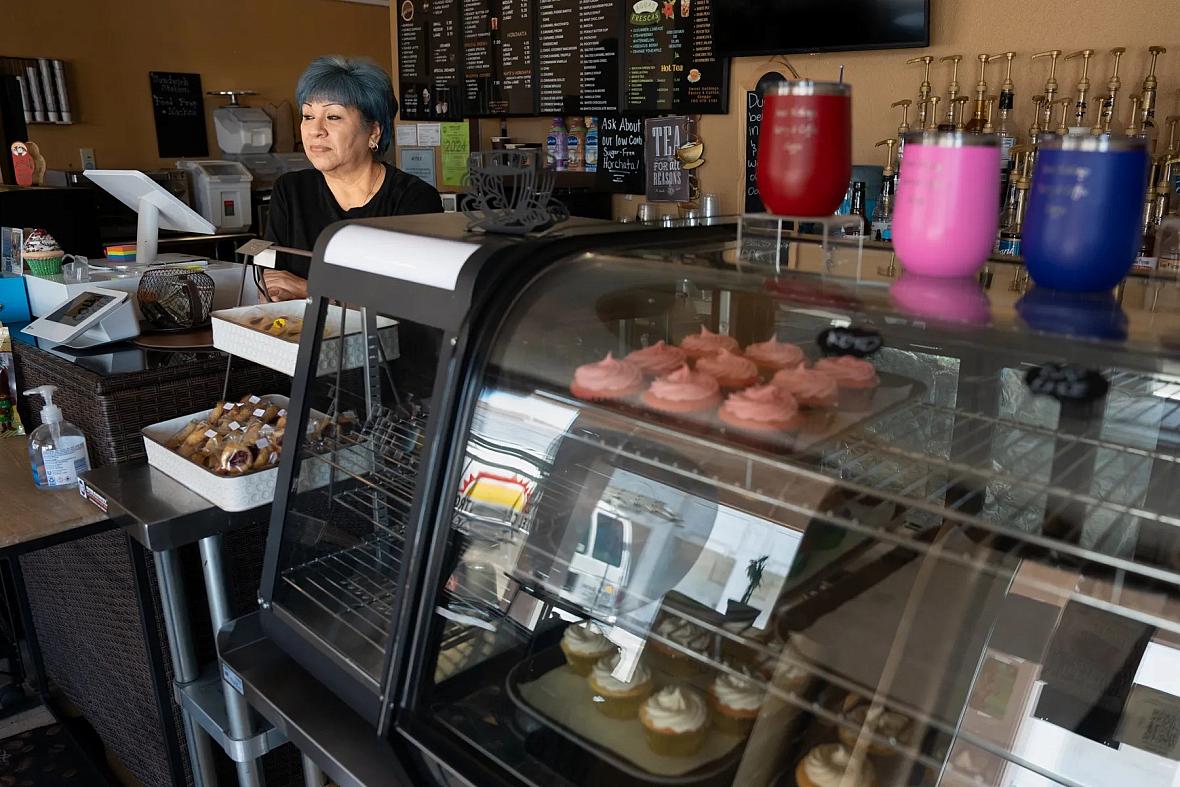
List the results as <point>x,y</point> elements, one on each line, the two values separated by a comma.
<point>179,438</point>
<point>235,459</point>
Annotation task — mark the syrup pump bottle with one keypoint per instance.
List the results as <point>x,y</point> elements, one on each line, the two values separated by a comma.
<point>1015,205</point>
<point>1148,95</point>
<point>1050,91</point>
<point>1083,88</point>
<point>948,122</point>
<point>882,222</point>
<point>977,122</point>
<point>1113,85</point>
<point>903,127</point>
<point>1034,131</point>
<point>1063,126</point>
<point>925,89</point>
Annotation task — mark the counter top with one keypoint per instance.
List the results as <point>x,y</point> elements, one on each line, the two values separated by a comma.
<point>30,514</point>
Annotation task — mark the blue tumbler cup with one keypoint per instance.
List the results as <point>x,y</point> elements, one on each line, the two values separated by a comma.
<point>1082,230</point>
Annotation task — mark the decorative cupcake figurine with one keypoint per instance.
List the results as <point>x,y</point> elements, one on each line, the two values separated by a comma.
<point>731,369</point>
<point>675,720</point>
<point>764,408</point>
<point>42,254</point>
<point>708,343</point>
<point>735,698</point>
<point>683,391</point>
<point>773,355</point>
<point>831,764</point>
<point>855,379</point>
<point>615,695</point>
<point>584,644</point>
<point>609,378</point>
<point>660,358</point>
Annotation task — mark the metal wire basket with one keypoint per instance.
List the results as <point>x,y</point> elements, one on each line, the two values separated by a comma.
<point>175,300</point>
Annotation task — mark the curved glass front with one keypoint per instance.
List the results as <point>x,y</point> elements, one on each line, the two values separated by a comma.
<point>927,572</point>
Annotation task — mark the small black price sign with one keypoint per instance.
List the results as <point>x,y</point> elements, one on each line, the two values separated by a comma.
<point>860,342</point>
<point>1066,383</point>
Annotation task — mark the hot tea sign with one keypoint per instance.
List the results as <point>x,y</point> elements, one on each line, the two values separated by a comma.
<point>666,180</point>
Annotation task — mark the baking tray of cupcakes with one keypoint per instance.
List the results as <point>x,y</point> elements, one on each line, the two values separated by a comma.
<point>666,718</point>
<point>768,395</point>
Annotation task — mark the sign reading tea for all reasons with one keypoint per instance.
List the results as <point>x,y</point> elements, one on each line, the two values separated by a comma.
<point>620,154</point>
<point>666,180</point>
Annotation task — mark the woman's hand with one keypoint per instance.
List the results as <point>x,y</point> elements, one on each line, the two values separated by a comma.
<point>284,286</point>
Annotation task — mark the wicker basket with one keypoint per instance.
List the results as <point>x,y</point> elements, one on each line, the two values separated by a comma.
<point>111,409</point>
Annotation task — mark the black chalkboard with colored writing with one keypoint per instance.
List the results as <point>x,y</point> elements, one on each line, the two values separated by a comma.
<point>178,104</point>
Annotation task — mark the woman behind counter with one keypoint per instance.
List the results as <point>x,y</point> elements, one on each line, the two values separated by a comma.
<point>348,108</point>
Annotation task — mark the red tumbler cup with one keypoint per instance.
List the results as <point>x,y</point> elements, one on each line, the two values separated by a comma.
<point>805,148</point>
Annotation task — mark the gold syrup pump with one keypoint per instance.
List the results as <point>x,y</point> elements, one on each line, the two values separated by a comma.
<point>1034,131</point>
<point>958,111</point>
<point>890,144</point>
<point>902,127</point>
<point>1063,126</point>
<point>987,117</point>
<point>975,125</point>
<point>932,124</point>
<point>1133,130</point>
<point>924,90</point>
<point>1113,85</point>
<point>1083,87</point>
<point>952,89</point>
<point>1050,86</point>
<point>1149,90</point>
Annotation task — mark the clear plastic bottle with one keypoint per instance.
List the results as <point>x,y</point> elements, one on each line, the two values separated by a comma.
<point>575,144</point>
<point>57,448</point>
<point>591,144</point>
<point>555,145</point>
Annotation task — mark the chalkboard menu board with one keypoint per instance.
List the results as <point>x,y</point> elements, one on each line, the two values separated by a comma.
<point>476,58</point>
<point>178,104</point>
<point>412,68</point>
<point>444,98</point>
<point>671,65</point>
<point>754,101</point>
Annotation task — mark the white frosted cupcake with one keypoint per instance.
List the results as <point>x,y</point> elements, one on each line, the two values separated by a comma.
<point>831,764</point>
<point>584,644</point>
<point>675,720</point>
<point>680,636</point>
<point>883,723</point>
<point>615,695</point>
<point>735,697</point>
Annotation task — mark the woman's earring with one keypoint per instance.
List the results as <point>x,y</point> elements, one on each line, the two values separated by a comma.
<point>372,144</point>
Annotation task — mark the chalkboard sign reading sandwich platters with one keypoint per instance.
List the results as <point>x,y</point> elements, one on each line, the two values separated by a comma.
<point>178,105</point>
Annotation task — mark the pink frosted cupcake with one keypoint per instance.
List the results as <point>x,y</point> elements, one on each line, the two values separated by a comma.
<point>708,343</point>
<point>609,378</point>
<point>855,379</point>
<point>658,359</point>
<point>731,370</point>
<point>683,391</point>
<point>765,408</point>
<point>816,393</point>
<point>773,355</point>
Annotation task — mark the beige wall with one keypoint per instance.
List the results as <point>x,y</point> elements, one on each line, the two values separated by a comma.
<point>965,27</point>
<point>111,45</point>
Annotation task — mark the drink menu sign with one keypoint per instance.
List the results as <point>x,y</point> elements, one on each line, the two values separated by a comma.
<point>671,65</point>
<point>477,58</point>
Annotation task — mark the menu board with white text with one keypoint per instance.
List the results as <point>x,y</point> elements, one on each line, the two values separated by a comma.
<point>488,58</point>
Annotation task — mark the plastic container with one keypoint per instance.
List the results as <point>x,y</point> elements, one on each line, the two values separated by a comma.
<point>57,448</point>
<point>1082,229</point>
<point>555,145</point>
<point>592,134</point>
<point>805,148</point>
<point>947,209</point>
<point>575,145</point>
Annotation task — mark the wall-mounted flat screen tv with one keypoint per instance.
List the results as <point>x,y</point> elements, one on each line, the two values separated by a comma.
<point>765,27</point>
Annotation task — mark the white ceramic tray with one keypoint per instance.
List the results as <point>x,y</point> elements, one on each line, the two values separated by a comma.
<point>238,493</point>
<point>280,354</point>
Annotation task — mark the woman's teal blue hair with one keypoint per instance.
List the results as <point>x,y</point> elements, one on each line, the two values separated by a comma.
<point>353,82</point>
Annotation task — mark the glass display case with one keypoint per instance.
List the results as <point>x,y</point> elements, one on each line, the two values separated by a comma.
<point>954,562</point>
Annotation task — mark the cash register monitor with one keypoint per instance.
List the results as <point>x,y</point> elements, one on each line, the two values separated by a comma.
<point>156,206</point>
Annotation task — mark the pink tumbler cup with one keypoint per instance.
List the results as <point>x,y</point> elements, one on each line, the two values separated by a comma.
<point>947,211</point>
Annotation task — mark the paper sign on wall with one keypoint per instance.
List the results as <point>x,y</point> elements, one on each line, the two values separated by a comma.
<point>455,139</point>
<point>407,135</point>
<point>666,181</point>
<point>418,162</point>
<point>429,135</point>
